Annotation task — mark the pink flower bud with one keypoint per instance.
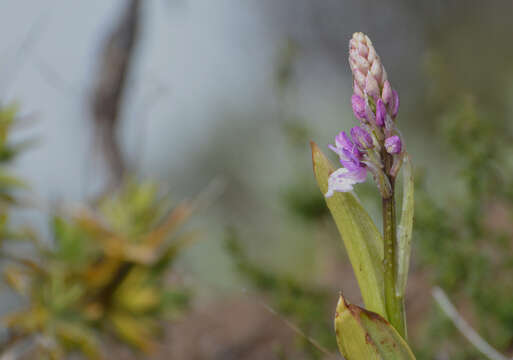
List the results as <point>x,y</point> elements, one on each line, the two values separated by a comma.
<point>377,71</point>
<point>358,104</point>
<point>359,37</point>
<point>359,78</point>
<point>363,50</point>
<point>357,90</point>
<point>393,145</point>
<point>387,95</point>
<point>371,86</point>
<point>361,137</point>
<point>362,64</point>
<point>381,113</point>
<point>353,44</point>
<point>372,54</point>
<point>366,66</point>
<point>384,76</point>
<point>369,114</point>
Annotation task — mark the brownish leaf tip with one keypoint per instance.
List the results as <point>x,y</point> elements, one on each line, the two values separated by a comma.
<point>315,149</point>
<point>374,316</point>
<point>343,302</point>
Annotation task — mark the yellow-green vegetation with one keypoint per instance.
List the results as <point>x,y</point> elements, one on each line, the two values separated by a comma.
<point>103,275</point>
<point>366,333</point>
<point>362,334</point>
<point>8,183</point>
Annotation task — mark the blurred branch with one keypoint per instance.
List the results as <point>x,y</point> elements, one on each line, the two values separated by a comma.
<point>53,77</point>
<point>115,60</point>
<point>472,336</point>
<point>27,45</point>
<point>149,102</point>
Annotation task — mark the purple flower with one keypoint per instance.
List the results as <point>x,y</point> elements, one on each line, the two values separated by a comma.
<point>381,113</point>
<point>375,103</point>
<point>350,152</point>
<point>361,138</point>
<point>343,179</point>
<point>345,148</point>
<point>393,145</point>
<point>350,161</point>
<point>371,117</point>
<point>358,107</point>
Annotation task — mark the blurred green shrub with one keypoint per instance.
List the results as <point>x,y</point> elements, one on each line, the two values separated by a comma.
<point>104,275</point>
<point>9,184</point>
<point>465,236</point>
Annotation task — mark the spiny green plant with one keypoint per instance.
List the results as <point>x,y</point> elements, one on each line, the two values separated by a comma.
<point>9,184</point>
<point>103,275</point>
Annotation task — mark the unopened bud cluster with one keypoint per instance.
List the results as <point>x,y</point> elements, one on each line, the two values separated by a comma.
<point>375,104</point>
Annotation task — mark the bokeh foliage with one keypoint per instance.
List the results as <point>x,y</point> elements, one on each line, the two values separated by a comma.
<point>9,184</point>
<point>462,230</point>
<point>306,305</point>
<point>102,276</point>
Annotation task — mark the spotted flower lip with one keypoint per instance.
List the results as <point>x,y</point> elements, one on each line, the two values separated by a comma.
<point>343,179</point>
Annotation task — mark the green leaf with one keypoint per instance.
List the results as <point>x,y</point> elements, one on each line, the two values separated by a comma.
<point>9,181</point>
<point>135,331</point>
<point>363,242</point>
<point>76,336</point>
<point>404,230</point>
<point>363,334</point>
<point>71,243</point>
<point>351,336</point>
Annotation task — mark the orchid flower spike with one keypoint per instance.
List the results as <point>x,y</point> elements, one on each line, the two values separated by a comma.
<point>370,77</point>
<point>372,144</point>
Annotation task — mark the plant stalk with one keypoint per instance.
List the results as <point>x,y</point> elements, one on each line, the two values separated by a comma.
<point>394,304</point>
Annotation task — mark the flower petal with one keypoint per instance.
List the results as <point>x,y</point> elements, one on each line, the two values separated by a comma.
<point>342,180</point>
<point>344,141</point>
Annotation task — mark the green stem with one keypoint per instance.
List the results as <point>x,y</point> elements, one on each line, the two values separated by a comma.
<point>394,304</point>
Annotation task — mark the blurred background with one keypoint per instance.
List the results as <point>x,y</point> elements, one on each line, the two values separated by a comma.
<point>157,198</point>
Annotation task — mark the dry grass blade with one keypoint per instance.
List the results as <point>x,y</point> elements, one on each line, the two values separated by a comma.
<point>470,334</point>
<point>296,329</point>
